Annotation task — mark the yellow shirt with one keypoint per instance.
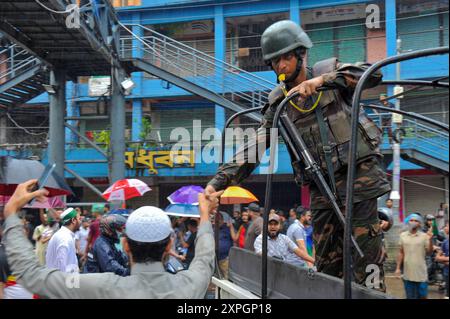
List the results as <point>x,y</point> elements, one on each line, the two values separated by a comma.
<point>415,250</point>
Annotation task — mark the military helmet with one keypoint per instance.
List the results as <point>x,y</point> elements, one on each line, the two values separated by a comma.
<point>282,37</point>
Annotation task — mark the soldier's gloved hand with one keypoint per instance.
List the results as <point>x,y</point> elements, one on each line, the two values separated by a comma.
<point>308,87</point>
<point>209,190</point>
<point>208,204</point>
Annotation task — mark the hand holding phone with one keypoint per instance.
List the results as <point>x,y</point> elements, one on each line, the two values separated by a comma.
<point>43,179</point>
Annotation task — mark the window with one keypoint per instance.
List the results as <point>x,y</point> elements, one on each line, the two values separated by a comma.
<point>345,40</point>
<point>244,40</point>
<point>168,119</point>
<point>422,25</point>
<point>338,31</point>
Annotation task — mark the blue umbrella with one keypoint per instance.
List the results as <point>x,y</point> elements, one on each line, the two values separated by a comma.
<point>183,210</point>
<point>120,211</point>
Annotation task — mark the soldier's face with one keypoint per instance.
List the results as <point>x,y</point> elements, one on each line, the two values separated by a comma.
<point>285,64</point>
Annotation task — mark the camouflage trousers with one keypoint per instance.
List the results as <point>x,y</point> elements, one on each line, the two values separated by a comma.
<point>328,235</point>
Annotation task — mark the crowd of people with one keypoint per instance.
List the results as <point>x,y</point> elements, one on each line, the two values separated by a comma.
<point>123,253</point>
<point>94,241</point>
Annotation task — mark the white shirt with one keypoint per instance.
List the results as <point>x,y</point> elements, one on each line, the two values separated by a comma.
<point>281,247</point>
<point>61,251</point>
<point>82,236</point>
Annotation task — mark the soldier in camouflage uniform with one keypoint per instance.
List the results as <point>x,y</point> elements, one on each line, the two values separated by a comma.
<point>284,46</point>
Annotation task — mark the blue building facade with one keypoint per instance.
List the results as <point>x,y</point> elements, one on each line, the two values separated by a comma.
<point>230,31</point>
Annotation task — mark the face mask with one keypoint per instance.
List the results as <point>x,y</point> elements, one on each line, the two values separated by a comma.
<point>412,226</point>
<point>118,235</point>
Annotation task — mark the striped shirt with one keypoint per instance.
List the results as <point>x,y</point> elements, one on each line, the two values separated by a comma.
<point>281,247</point>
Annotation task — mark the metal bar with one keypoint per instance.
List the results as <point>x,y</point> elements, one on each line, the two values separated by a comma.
<point>416,82</point>
<point>227,124</point>
<point>79,161</point>
<point>57,107</point>
<point>84,181</point>
<point>353,149</point>
<point>85,203</point>
<point>411,114</point>
<point>84,118</point>
<point>85,139</point>
<point>117,126</point>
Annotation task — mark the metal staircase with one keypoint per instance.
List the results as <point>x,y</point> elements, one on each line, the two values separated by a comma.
<point>21,76</point>
<point>192,70</point>
<point>421,145</point>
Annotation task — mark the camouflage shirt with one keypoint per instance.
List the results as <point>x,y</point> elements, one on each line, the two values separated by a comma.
<point>370,179</point>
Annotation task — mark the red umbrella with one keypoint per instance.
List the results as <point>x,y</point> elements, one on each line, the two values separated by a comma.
<point>125,189</point>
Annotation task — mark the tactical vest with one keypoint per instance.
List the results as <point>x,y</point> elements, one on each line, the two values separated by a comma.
<point>337,116</point>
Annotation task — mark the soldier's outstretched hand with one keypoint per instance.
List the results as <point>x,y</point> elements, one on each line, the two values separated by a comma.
<point>209,190</point>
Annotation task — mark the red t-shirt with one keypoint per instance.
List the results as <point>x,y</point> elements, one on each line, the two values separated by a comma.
<point>242,231</point>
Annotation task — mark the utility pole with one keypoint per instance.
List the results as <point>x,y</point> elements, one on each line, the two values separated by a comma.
<point>57,109</point>
<point>396,124</point>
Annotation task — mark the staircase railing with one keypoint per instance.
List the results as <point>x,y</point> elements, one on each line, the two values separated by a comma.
<point>13,61</point>
<point>198,67</point>
<point>418,136</point>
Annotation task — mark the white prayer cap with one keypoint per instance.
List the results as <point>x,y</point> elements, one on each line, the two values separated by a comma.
<point>148,224</point>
